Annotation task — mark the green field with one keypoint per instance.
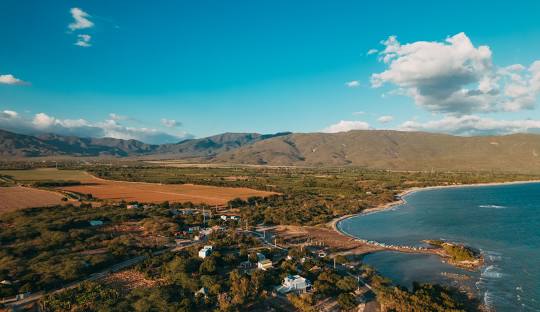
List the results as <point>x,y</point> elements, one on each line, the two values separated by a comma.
<point>45,174</point>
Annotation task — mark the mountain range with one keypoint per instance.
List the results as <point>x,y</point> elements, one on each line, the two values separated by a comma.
<point>382,149</point>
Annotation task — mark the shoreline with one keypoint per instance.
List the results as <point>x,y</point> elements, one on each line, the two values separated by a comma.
<point>401,199</point>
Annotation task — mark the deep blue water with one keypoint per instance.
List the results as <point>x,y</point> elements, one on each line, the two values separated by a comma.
<point>503,221</point>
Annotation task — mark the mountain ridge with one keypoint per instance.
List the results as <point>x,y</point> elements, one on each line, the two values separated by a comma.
<point>378,149</point>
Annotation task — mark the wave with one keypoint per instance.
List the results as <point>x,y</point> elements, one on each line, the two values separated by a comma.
<point>493,206</point>
<point>491,271</point>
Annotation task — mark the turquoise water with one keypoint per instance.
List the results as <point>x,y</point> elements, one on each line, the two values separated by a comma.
<point>502,221</point>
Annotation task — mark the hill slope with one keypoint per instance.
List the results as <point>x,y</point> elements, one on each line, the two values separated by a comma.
<point>42,145</point>
<point>394,150</point>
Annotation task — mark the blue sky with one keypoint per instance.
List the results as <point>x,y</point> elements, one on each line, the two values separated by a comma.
<point>209,67</point>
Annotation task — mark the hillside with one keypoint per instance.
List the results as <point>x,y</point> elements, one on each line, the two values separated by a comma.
<point>15,145</point>
<point>394,150</point>
<point>211,146</point>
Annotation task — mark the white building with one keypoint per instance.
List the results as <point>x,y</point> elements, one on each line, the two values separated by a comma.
<point>295,283</point>
<point>264,264</point>
<point>205,252</point>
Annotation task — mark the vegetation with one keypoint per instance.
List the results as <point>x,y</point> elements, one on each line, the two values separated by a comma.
<point>308,195</point>
<point>457,252</point>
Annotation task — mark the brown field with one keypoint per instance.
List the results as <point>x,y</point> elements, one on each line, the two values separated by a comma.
<point>157,193</point>
<point>18,197</point>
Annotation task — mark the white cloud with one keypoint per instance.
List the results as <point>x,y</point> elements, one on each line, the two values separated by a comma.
<point>372,51</point>
<point>83,40</point>
<point>358,113</point>
<point>81,20</point>
<point>385,119</point>
<point>455,77</point>
<point>170,123</point>
<point>9,114</point>
<point>346,125</point>
<point>10,80</point>
<point>352,83</point>
<point>473,125</point>
<point>117,117</point>
<point>42,122</point>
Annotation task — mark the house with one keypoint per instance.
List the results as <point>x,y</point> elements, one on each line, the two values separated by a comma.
<point>205,252</point>
<point>96,222</point>
<point>202,292</point>
<point>294,283</point>
<point>224,218</point>
<point>133,206</point>
<point>193,229</point>
<point>234,218</point>
<point>264,264</point>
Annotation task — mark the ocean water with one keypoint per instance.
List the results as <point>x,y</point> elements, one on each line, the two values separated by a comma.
<point>502,221</point>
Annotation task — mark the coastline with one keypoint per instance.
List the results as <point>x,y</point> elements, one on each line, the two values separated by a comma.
<point>401,199</point>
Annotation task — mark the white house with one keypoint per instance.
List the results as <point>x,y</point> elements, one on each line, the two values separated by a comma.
<point>205,252</point>
<point>264,264</point>
<point>134,206</point>
<point>295,283</point>
<point>224,218</point>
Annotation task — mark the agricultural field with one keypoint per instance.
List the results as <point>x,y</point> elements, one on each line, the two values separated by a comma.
<point>47,174</point>
<point>130,191</point>
<point>157,193</point>
<point>19,197</point>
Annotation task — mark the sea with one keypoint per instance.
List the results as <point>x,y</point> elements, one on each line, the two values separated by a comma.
<point>502,221</point>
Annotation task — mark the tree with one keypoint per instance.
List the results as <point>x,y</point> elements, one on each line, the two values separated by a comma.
<point>346,301</point>
<point>347,284</point>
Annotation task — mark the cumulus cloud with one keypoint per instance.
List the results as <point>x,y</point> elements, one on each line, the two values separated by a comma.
<point>41,122</point>
<point>352,84</point>
<point>10,80</point>
<point>81,20</point>
<point>83,40</point>
<point>385,119</point>
<point>170,123</point>
<point>468,125</point>
<point>346,125</point>
<point>455,77</point>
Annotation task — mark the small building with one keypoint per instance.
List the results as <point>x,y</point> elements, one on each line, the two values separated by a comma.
<point>234,218</point>
<point>202,292</point>
<point>193,229</point>
<point>205,252</point>
<point>294,283</point>
<point>224,218</point>
<point>96,222</point>
<point>265,264</point>
<point>133,206</point>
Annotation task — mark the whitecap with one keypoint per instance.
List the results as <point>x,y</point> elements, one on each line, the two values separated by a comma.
<point>491,272</point>
<point>493,206</point>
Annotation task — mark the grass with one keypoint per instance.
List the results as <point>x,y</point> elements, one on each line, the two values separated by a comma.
<point>45,174</point>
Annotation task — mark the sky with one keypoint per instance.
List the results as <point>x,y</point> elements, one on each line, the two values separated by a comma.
<point>164,71</point>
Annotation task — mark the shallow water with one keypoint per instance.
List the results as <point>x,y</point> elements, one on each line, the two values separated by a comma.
<point>502,221</point>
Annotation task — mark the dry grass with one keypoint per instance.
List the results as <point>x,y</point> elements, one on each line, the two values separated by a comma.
<point>327,236</point>
<point>125,281</point>
<point>44,174</point>
<point>18,197</point>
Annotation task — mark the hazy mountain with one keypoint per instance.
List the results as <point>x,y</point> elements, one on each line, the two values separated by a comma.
<point>19,145</point>
<point>212,146</point>
<point>394,150</point>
